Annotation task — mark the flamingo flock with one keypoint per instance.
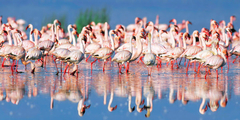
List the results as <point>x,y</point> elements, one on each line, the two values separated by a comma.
<point>148,42</point>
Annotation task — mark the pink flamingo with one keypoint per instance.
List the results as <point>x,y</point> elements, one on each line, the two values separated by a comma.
<point>75,57</point>
<point>104,52</point>
<point>27,44</point>
<point>191,50</point>
<point>149,58</point>
<point>123,56</point>
<point>216,61</point>
<point>34,53</point>
<point>18,52</point>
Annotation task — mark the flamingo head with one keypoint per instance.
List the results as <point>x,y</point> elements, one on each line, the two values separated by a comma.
<point>195,33</point>
<point>49,26</point>
<point>174,21</point>
<point>233,18</point>
<point>137,19</point>
<point>214,23</point>
<point>230,25</point>
<point>188,22</point>
<point>186,35</point>
<point>36,31</point>
<point>29,26</point>
<point>57,21</point>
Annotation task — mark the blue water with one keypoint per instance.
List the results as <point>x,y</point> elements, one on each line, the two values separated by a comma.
<point>164,79</point>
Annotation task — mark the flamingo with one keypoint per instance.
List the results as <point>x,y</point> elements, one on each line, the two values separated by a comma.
<point>18,52</point>
<point>191,50</point>
<point>76,56</point>
<point>34,53</point>
<point>64,41</point>
<point>202,56</point>
<point>216,61</point>
<point>27,44</point>
<point>104,52</point>
<point>175,52</point>
<point>149,58</point>
<point>123,56</point>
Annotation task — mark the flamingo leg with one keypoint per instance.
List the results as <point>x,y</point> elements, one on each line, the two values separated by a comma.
<point>127,70</point>
<point>235,59</point>
<point>88,58</point>
<point>217,73</point>
<point>93,62</point>
<point>140,59</point>
<point>171,64</point>
<point>104,65</point>
<point>120,68</point>
<point>177,64</point>
<point>3,61</point>
<point>12,65</point>
<point>16,67</point>
<point>187,67</point>
<point>195,66</point>
<point>199,66</point>
<point>66,68</point>
<point>56,65</point>
<point>61,66</point>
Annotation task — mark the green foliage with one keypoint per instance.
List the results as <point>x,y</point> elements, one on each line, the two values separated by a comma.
<point>89,15</point>
<point>62,18</point>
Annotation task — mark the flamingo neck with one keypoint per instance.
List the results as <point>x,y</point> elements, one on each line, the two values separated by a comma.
<point>129,103</point>
<point>9,38</point>
<point>80,105</point>
<point>201,106</point>
<point>194,40</point>
<point>81,46</point>
<point>57,33</point>
<point>106,31</point>
<point>69,33</point>
<point>74,39</point>
<point>203,43</point>
<point>101,41</point>
<point>227,38</point>
<point>173,40</point>
<point>131,49</point>
<point>157,20</point>
<point>55,27</point>
<point>180,42</point>
<point>36,39</point>
<point>20,39</point>
<point>112,42</point>
<point>30,35</point>
<point>14,39</point>
<point>110,101</point>
<point>187,30</point>
<point>53,35</point>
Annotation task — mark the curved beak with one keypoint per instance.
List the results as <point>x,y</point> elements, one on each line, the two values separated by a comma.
<point>113,108</point>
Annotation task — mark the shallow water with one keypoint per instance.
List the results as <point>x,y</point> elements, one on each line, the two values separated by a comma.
<point>165,87</point>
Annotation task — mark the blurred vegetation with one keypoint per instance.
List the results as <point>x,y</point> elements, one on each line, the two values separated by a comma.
<point>62,18</point>
<point>89,15</point>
